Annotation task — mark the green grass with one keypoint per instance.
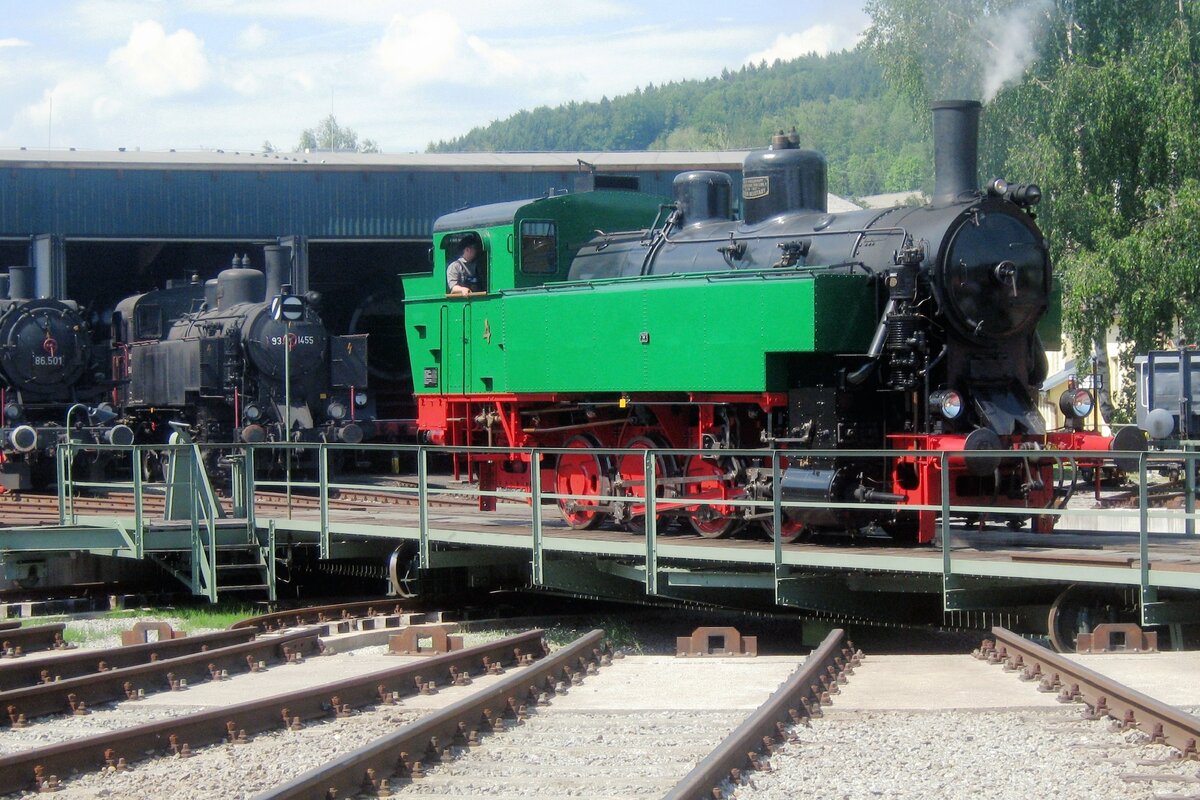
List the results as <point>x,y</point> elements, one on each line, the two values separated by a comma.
<point>212,616</point>
<point>186,619</point>
<point>618,631</point>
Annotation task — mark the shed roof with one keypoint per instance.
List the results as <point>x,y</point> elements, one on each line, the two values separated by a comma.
<point>489,162</point>
<point>138,195</point>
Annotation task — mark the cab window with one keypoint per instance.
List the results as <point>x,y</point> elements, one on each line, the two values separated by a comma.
<point>539,247</point>
<point>147,321</point>
<point>453,246</point>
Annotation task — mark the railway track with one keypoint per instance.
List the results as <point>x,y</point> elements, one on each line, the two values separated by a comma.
<point>598,746</point>
<point>946,726</point>
<point>29,508</point>
<point>16,642</point>
<point>237,723</point>
<point>634,728</point>
<point>16,673</point>
<point>350,615</point>
<point>74,695</point>
<point>507,699</point>
<point>1170,494</point>
<point>1103,696</point>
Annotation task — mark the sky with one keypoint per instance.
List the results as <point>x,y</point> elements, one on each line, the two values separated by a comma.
<point>232,74</point>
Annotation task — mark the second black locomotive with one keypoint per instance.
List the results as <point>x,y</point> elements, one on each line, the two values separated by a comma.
<point>238,358</point>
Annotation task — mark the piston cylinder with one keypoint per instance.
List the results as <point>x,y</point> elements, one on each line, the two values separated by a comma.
<point>822,486</point>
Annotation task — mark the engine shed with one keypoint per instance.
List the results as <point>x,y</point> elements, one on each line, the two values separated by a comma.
<point>100,226</point>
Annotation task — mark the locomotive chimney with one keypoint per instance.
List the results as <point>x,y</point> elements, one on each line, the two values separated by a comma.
<point>20,283</point>
<point>955,149</point>
<point>277,268</point>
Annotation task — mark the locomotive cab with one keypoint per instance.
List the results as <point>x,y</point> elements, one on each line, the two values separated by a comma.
<point>457,343</point>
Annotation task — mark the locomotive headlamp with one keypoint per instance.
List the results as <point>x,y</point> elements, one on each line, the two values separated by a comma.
<point>23,438</point>
<point>336,410</point>
<point>1076,403</point>
<point>360,399</point>
<point>12,412</point>
<point>1023,194</point>
<point>948,402</point>
<point>1026,194</point>
<point>252,412</point>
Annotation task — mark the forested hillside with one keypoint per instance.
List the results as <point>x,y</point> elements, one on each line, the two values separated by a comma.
<point>839,104</point>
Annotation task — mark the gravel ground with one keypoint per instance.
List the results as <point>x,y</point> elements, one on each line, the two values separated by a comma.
<point>846,755</point>
<point>967,754</point>
<point>238,771</point>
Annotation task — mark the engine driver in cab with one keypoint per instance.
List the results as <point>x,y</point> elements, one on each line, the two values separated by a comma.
<point>462,276</point>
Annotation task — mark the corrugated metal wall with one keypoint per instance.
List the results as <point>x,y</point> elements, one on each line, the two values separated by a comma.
<point>254,204</point>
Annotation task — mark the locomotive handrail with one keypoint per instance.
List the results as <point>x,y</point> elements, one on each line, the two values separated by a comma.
<point>764,273</point>
<point>893,231</point>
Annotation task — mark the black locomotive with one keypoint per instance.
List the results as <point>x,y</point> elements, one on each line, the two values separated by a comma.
<point>238,358</point>
<point>907,329</point>
<point>47,382</point>
<point>955,359</point>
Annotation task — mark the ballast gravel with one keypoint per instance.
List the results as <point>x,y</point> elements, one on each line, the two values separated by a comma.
<point>587,746</point>
<point>238,771</point>
<point>1043,753</point>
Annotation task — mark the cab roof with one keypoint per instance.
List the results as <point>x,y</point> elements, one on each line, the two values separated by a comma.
<point>486,216</point>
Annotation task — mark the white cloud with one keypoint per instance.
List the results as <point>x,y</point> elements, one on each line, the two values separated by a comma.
<point>489,15</point>
<point>77,102</point>
<point>106,20</point>
<point>255,37</point>
<point>161,65</point>
<point>302,79</point>
<point>229,73</point>
<point>818,39</point>
<point>247,84</point>
<point>432,48</point>
<point>12,42</point>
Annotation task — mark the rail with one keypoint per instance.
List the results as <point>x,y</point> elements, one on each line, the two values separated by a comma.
<point>35,769</point>
<point>17,641</point>
<point>797,699</point>
<point>399,754</point>
<point>657,491</point>
<point>17,673</point>
<point>1106,697</point>
<point>73,694</point>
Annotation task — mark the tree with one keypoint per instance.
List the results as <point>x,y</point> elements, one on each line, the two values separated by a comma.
<point>330,136</point>
<point>1107,120</point>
